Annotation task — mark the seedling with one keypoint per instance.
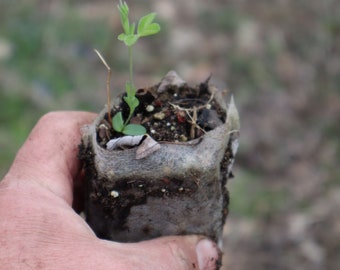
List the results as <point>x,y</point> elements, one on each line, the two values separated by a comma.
<point>146,27</point>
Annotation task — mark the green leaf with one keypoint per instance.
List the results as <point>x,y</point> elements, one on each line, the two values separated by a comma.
<point>146,27</point>
<point>145,21</point>
<point>122,37</point>
<point>129,40</point>
<point>133,129</point>
<point>118,122</point>
<point>151,30</point>
<point>132,29</point>
<point>123,7</point>
<point>124,13</point>
<point>132,101</point>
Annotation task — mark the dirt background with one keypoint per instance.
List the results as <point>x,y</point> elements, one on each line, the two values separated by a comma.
<point>280,59</point>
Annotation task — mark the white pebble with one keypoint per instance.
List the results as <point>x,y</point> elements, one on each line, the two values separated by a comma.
<point>150,108</point>
<point>114,194</point>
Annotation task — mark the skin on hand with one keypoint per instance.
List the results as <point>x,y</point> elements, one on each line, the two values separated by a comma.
<point>39,229</point>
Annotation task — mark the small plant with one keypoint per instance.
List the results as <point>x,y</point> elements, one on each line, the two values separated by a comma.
<point>146,27</point>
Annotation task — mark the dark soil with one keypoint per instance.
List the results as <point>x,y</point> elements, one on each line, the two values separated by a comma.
<point>177,115</point>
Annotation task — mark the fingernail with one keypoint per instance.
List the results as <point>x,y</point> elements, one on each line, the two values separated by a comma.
<point>207,255</point>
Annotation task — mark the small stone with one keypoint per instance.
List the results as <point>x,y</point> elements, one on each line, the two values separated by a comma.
<point>152,131</point>
<point>168,124</point>
<point>172,128</point>
<point>159,115</point>
<point>209,118</point>
<point>150,108</point>
<point>181,189</point>
<point>163,190</point>
<point>114,194</point>
<point>183,138</point>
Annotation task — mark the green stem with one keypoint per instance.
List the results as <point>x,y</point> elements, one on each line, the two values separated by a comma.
<point>128,119</point>
<point>132,86</point>
<point>131,68</point>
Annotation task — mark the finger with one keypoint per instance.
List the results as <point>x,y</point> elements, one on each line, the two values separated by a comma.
<point>49,155</point>
<point>174,252</point>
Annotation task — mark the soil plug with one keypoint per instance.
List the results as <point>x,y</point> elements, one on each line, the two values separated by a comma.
<point>180,188</point>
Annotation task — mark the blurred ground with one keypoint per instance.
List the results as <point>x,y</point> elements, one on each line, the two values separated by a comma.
<point>280,59</point>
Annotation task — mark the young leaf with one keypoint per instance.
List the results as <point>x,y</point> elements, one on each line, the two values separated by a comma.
<point>132,29</point>
<point>145,21</point>
<point>118,122</point>
<point>124,13</point>
<point>133,102</point>
<point>129,40</point>
<point>146,27</point>
<point>133,129</point>
<point>152,29</point>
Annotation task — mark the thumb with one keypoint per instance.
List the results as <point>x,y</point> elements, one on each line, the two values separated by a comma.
<point>173,252</point>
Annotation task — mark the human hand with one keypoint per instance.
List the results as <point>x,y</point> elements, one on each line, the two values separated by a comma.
<point>39,229</point>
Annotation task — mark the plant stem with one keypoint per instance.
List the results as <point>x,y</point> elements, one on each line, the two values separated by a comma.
<point>131,69</point>
<point>132,86</point>
<point>128,119</point>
